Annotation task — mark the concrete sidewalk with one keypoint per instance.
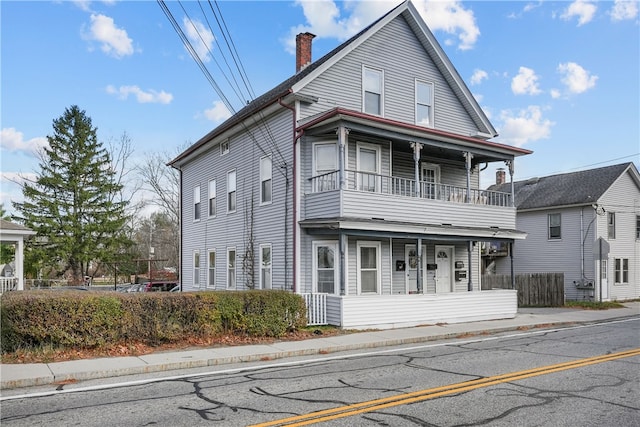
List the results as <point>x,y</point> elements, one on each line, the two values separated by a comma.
<point>26,375</point>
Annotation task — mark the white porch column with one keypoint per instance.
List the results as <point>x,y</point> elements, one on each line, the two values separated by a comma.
<point>19,273</point>
<point>468,156</point>
<point>343,134</point>
<point>509,163</point>
<point>416,161</point>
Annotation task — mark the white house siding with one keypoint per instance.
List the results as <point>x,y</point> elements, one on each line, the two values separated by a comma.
<point>230,229</point>
<point>395,50</point>
<point>623,198</point>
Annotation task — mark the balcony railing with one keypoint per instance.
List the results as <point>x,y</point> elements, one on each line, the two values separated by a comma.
<point>393,185</point>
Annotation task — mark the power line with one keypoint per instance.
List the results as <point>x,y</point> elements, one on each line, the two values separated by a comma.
<point>585,166</point>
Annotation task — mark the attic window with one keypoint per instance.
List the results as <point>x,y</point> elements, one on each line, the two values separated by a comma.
<point>424,104</point>
<point>372,85</point>
<point>224,147</point>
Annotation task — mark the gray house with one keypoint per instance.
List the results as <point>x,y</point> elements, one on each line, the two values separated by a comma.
<point>355,183</point>
<point>585,224</point>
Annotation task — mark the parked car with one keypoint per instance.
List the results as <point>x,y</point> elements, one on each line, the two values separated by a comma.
<point>159,286</point>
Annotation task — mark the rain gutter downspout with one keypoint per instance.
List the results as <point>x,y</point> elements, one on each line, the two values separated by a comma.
<point>296,136</point>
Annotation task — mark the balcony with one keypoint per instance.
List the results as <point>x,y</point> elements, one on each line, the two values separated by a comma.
<point>373,196</point>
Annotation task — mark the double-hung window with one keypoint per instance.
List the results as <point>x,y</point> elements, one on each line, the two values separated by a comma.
<point>611,225</point>
<point>196,269</point>
<point>369,267</point>
<point>638,227</point>
<point>231,191</point>
<point>265,266</point>
<point>424,104</point>
<point>212,198</point>
<point>554,220</point>
<point>325,266</point>
<point>368,165</point>
<point>621,270</point>
<point>265,180</point>
<point>211,273</point>
<point>231,268</point>
<point>196,203</point>
<point>224,147</point>
<point>372,91</point>
<point>324,164</point>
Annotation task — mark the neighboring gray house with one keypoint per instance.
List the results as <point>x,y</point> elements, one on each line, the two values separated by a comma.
<point>357,181</point>
<point>566,218</point>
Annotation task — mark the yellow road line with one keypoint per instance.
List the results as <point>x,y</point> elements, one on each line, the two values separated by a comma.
<point>416,396</point>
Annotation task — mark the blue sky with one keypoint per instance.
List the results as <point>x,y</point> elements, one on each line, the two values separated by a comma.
<point>559,78</point>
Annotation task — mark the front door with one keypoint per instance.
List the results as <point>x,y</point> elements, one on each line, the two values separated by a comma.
<point>604,283</point>
<point>368,165</point>
<point>430,178</point>
<point>411,268</point>
<point>444,263</point>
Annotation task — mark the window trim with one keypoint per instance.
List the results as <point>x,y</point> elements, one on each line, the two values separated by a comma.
<point>430,105</point>
<point>621,271</point>
<point>212,199</point>
<point>637,226</point>
<point>235,267</point>
<point>224,147</point>
<point>378,149</point>
<point>196,269</point>
<point>264,179</point>
<point>211,270</point>
<point>233,192</point>
<point>262,247</point>
<point>331,182</point>
<point>369,244</point>
<point>611,225</point>
<point>366,68</point>
<point>336,265</point>
<point>559,226</point>
<point>197,214</point>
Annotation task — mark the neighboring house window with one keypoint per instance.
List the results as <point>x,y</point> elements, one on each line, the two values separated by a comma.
<point>265,180</point>
<point>231,191</point>
<point>211,273</point>
<point>196,203</point>
<point>554,220</point>
<point>369,267</point>
<point>212,198</point>
<point>372,84</point>
<point>231,268</point>
<point>368,165</point>
<point>196,269</point>
<point>265,266</point>
<point>621,270</point>
<point>224,147</point>
<point>324,166</point>
<point>638,227</point>
<point>611,225</point>
<point>324,267</point>
<point>424,104</point>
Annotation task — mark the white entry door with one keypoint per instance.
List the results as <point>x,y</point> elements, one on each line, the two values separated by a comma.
<point>605,282</point>
<point>411,268</point>
<point>444,270</point>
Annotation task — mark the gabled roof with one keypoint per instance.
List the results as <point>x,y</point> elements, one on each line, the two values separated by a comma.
<point>567,189</point>
<point>307,74</point>
<point>13,229</point>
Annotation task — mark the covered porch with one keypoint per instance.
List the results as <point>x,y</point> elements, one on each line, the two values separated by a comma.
<point>14,234</point>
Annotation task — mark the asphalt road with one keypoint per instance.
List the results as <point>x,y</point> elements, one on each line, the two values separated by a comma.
<point>583,376</point>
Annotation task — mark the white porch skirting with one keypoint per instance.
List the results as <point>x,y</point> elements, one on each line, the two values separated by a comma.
<point>401,311</point>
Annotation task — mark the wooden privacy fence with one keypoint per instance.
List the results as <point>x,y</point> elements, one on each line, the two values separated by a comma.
<point>536,289</point>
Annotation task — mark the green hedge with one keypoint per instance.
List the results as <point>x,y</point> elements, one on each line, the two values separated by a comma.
<point>33,319</point>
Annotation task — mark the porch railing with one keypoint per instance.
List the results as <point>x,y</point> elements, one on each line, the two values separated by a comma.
<point>8,284</point>
<point>393,185</point>
<point>316,309</point>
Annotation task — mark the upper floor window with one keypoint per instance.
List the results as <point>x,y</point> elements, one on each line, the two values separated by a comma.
<point>265,180</point>
<point>224,147</point>
<point>372,96</point>
<point>424,103</point>
<point>196,203</point>
<point>554,220</point>
<point>611,225</point>
<point>231,191</point>
<point>325,163</point>
<point>212,197</point>
<point>638,227</point>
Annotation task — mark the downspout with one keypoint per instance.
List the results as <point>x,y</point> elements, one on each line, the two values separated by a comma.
<point>582,239</point>
<point>296,137</point>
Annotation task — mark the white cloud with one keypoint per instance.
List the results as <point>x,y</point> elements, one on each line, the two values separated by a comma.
<point>525,83</point>
<point>555,93</point>
<point>115,41</point>
<point>524,126</point>
<point>325,19</point>
<point>218,112</point>
<point>583,9</point>
<point>576,78</point>
<point>201,38</point>
<point>479,97</point>
<point>83,4</point>
<point>623,10</point>
<point>478,76</point>
<point>142,97</point>
<point>13,140</point>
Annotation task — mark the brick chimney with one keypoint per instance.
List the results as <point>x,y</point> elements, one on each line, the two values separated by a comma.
<point>303,50</point>
<point>501,176</point>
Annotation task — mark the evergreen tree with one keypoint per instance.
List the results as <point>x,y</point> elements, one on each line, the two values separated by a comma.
<point>74,204</point>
